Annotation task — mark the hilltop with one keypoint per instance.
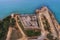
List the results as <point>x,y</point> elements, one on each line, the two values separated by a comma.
<point>39,26</point>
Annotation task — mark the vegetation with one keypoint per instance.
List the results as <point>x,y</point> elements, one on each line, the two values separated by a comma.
<point>31,33</point>
<point>12,22</point>
<point>47,28</point>
<point>4,25</point>
<point>21,25</point>
<point>56,38</point>
<point>46,24</point>
<point>50,37</point>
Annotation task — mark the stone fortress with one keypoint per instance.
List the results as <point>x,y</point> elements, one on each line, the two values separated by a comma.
<point>43,23</point>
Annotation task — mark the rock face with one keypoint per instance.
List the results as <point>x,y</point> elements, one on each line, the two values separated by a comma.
<point>47,25</point>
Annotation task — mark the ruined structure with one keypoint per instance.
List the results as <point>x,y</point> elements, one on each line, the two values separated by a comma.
<point>43,24</point>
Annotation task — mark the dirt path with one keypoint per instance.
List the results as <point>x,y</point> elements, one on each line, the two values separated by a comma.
<point>9,33</point>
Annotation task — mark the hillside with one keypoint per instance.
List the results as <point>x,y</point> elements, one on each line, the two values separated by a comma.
<point>39,26</point>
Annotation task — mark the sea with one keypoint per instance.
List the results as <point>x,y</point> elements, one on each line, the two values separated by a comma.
<point>8,7</point>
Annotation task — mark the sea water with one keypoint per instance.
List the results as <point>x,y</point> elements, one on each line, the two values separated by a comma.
<point>28,7</point>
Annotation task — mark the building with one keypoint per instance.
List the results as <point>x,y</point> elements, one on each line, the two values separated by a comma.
<point>39,26</point>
